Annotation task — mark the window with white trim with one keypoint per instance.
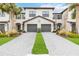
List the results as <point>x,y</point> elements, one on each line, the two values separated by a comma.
<point>20,16</point>
<point>57,16</point>
<point>32,13</point>
<point>45,13</point>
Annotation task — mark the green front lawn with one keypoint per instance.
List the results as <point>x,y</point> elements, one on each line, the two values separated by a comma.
<point>39,45</point>
<point>74,40</point>
<point>4,40</point>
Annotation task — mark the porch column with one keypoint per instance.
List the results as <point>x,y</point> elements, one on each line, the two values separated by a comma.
<point>39,25</point>
<point>6,27</point>
<point>52,27</point>
<point>21,26</point>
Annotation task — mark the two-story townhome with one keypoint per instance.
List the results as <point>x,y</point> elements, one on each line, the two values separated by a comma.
<point>32,19</point>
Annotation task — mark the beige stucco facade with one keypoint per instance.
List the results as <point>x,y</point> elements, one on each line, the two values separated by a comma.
<point>66,17</point>
<point>39,21</point>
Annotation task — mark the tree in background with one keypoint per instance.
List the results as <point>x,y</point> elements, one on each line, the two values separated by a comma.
<point>12,10</point>
<point>75,14</point>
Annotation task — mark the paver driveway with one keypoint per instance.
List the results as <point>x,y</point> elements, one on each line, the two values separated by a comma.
<point>60,46</point>
<point>21,45</point>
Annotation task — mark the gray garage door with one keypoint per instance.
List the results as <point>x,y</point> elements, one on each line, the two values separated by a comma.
<point>46,27</point>
<point>2,28</point>
<point>31,27</point>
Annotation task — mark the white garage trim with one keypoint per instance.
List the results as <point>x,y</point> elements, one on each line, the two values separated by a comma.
<point>38,20</point>
<point>52,27</point>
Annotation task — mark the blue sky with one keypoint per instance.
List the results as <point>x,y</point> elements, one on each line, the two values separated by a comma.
<point>59,7</point>
<point>39,4</point>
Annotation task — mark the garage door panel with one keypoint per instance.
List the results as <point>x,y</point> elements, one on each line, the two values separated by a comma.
<point>46,27</point>
<point>31,27</point>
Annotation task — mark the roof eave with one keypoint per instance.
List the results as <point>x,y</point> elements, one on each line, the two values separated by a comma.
<point>38,7</point>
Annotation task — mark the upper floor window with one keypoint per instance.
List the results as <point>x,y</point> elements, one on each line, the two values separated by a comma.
<point>57,16</point>
<point>2,14</point>
<point>45,13</point>
<point>23,15</point>
<point>20,16</point>
<point>32,13</point>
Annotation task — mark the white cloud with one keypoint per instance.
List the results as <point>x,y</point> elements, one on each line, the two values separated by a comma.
<point>58,7</point>
<point>46,5</point>
<point>52,5</point>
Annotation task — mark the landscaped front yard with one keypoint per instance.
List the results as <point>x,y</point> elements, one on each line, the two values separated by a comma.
<point>4,40</point>
<point>8,36</point>
<point>74,40</point>
<point>39,45</point>
<point>71,36</point>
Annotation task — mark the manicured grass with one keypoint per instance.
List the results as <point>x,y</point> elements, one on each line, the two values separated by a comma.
<point>74,40</point>
<point>39,45</point>
<point>4,40</point>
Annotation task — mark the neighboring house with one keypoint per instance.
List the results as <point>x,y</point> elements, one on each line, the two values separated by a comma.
<point>32,19</point>
<point>4,21</point>
<point>60,18</point>
<point>71,25</point>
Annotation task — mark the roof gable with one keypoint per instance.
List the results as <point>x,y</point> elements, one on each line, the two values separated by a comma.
<point>40,17</point>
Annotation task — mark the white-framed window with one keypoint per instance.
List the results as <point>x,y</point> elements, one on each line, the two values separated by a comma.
<point>20,16</point>
<point>23,15</point>
<point>57,16</point>
<point>32,13</point>
<point>45,13</point>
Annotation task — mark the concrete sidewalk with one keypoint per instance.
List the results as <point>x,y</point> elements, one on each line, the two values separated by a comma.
<point>59,46</point>
<point>20,46</point>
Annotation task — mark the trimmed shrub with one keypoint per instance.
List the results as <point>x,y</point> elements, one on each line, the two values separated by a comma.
<point>3,35</point>
<point>0,32</point>
<point>69,34</point>
<point>72,35</point>
<point>62,32</point>
<point>12,33</point>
